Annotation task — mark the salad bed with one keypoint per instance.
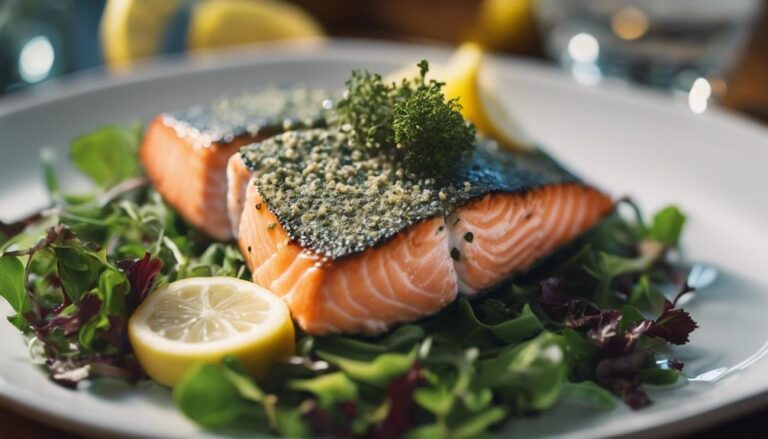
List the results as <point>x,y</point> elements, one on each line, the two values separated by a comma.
<point>587,326</point>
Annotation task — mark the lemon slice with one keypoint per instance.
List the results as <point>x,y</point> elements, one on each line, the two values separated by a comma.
<point>217,23</point>
<point>202,320</point>
<point>133,29</point>
<point>479,102</point>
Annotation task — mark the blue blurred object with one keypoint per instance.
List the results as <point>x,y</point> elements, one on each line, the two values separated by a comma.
<point>41,39</point>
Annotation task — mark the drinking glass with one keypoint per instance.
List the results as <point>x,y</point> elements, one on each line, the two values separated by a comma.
<point>687,46</point>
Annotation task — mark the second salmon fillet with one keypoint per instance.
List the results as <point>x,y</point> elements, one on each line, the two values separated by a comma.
<point>185,153</point>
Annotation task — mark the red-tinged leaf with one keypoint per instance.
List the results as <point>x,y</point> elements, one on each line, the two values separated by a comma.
<point>87,307</point>
<point>59,328</point>
<point>634,332</point>
<point>321,422</point>
<point>636,398</point>
<point>348,409</point>
<point>583,314</point>
<point>674,325</point>
<point>552,299</point>
<point>331,423</point>
<point>117,333</point>
<point>606,328</point>
<point>619,360</point>
<point>625,342</point>
<point>676,364</point>
<point>622,377</point>
<point>401,405</point>
<point>141,274</point>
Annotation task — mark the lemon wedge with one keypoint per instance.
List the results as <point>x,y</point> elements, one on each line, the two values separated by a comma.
<point>217,23</point>
<point>479,102</point>
<point>202,320</point>
<point>506,25</point>
<point>134,29</point>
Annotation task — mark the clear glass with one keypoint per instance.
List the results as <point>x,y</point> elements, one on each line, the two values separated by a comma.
<point>685,45</point>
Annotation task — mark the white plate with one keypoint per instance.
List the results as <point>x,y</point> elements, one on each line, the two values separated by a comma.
<point>627,141</point>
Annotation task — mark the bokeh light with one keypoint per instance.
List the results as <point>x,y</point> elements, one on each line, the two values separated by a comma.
<point>630,23</point>
<point>36,59</point>
<point>698,97</point>
<point>586,73</point>
<point>584,48</point>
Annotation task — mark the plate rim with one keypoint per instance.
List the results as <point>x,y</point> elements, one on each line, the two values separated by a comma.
<point>32,406</point>
<point>94,79</point>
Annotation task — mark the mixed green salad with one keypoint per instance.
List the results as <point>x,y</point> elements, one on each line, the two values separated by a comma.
<point>588,326</point>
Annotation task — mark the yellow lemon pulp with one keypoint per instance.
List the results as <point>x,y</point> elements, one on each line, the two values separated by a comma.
<point>217,23</point>
<point>202,320</point>
<point>134,29</point>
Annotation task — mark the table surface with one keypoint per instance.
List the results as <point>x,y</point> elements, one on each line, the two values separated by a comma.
<point>747,94</point>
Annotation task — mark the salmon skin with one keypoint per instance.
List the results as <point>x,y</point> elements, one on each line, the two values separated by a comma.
<point>355,245</point>
<point>185,153</point>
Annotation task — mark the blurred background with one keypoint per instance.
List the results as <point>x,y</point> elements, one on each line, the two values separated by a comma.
<point>704,51</point>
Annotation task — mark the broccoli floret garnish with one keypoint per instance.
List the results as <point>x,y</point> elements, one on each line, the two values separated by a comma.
<point>430,132</point>
<point>411,121</point>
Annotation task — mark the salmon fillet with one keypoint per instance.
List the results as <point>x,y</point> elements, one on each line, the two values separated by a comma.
<point>192,179</point>
<point>419,270</point>
<point>185,153</point>
<point>503,234</point>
